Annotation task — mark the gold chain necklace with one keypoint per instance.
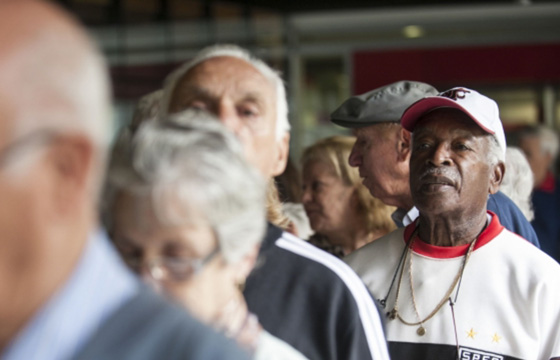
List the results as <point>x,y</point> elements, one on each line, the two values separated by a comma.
<point>395,312</point>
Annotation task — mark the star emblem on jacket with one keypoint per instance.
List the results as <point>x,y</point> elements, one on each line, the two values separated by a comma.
<point>471,333</point>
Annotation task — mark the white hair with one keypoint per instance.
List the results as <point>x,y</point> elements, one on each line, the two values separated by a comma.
<point>518,181</point>
<point>495,152</point>
<point>282,123</point>
<point>193,170</point>
<point>548,141</point>
<point>147,109</point>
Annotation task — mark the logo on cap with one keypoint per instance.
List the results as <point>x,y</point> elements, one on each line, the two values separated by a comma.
<point>454,94</point>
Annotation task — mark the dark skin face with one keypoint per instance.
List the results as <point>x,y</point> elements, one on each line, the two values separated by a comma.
<point>450,177</point>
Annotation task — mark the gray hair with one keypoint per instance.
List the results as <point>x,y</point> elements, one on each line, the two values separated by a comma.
<point>495,152</point>
<point>147,109</point>
<point>549,141</point>
<point>193,170</point>
<point>518,181</point>
<point>282,123</point>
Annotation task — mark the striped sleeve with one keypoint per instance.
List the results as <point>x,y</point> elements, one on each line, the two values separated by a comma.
<point>369,316</point>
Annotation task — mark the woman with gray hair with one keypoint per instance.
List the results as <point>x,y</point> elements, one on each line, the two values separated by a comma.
<point>541,144</point>
<point>186,212</point>
<point>518,181</point>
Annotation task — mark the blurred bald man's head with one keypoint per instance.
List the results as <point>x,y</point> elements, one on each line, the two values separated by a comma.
<point>54,121</point>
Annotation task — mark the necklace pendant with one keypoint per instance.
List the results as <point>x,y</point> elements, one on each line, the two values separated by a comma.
<point>421,331</point>
<point>393,314</point>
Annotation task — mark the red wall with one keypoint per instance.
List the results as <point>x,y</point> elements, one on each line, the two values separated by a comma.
<point>448,67</point>
<point>132,82</point>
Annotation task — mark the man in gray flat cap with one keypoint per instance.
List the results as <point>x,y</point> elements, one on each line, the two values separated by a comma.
<point>382,152</point>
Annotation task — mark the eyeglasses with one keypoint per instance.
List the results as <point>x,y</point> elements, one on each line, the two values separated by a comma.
<point>28,142</point>
<point>169,268</point>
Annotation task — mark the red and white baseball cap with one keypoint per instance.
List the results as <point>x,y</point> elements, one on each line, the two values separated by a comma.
<point>481,109</point>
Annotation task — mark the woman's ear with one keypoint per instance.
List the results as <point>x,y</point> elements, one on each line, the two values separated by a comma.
<point>496,177</point>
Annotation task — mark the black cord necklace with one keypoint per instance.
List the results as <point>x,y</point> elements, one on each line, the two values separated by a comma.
<point>383,301</point>
<point>392,314</point>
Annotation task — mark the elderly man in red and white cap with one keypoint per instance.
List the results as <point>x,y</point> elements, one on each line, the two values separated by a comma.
<point>382,152</point>
<point>455,283</point>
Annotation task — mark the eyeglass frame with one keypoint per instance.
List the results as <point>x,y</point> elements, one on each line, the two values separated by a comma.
<point>159,270</point>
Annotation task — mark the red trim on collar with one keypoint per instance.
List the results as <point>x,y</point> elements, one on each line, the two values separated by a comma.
<point>548,185</point>
<point>449,252</point>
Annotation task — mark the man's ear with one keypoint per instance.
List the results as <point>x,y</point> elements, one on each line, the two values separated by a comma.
<point>72,159</point>
<point>496,178</point>
<point>404,144</point>
<point>282,151</point>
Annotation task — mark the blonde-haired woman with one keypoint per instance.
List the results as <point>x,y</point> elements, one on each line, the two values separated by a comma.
<point>341,210</point>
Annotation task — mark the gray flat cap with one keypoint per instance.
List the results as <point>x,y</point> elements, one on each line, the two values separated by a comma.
<point>384,104</point>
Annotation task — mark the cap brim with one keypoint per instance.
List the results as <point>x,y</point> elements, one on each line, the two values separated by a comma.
<point>353,124</point>
<point>423,106</point>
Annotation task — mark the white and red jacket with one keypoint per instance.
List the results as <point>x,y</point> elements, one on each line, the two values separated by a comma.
<point>508,305</point>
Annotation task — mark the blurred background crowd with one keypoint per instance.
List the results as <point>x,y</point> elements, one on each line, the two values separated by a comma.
<point>332,50</point>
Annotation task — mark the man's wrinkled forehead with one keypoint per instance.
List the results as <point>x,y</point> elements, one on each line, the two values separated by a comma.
<point>216,75</point>
<point>225,69</point>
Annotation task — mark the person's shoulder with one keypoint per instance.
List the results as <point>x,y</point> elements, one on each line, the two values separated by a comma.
<point>380,247</point>
<point>325,269</point>
<point>287,256</point>
<point>270,347</point>
<point>500,204</point>
<point>309,256</point>
<point>525,255</point>
<point>336,273</point>
<point>511,217</point>
<point>309,284</point>
<point>149,327</point>
<point>500,199</point>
